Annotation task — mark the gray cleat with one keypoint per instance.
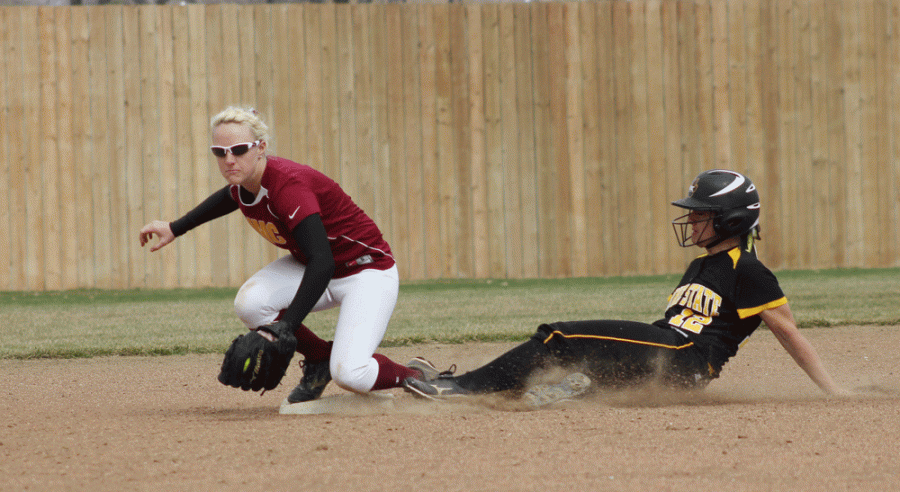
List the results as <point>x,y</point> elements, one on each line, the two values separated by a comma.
<point>424,366</point>
<point>573,385</point>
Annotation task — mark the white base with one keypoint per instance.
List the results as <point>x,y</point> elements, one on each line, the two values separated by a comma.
<point>347,403</point>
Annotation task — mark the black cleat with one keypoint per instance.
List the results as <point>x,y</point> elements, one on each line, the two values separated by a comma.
<point>316,377</point>
<point>442,388</point>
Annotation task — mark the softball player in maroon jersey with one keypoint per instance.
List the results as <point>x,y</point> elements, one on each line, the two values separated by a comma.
<point>719,302</point>
<point>338,257</point>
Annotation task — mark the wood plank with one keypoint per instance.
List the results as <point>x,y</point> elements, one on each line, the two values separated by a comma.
<point>132,178</point>
<point>462,140</point>
<point>430,172</point>
<point>853,94</point>
<point>446,151</point>
<point>507,140</point>
<point>43,172</point>
<point>412,152</point>
<point>623,186</point>
<point>548,240</point>
<point>495,224</point>
<point>738,87</point>
<point>875,163</point>
<point>8,60</point>
<point>348,161</point>
<point>767,180</point>
<point>315,110</point>
<point>144,185</point>
<point>74,146</point>
<point>804,174</point>
<point>29,255</point>
<point>704,94</point>
<point>525,110</point>
<point>893,182</point>
<point>658,242</point>
<point>881,166</point>
<point>640,201</point>
<point>559,186</point>
<point>574,128</point>
<point>689,82</point>
<point>280,90</point>
<point>781,169</point>
<point>608,158</point>
<point>68,50</point>
<point>594,199</point>
<point>822,164</point>
<point>477,173</point>
<point>167,130</point>
<point>120,246</point>
<point>330,96</point>
<point>262,52</point>
<point>720,67</point>
<point>16,52</point>
<point>82,125</point>
<point>837,131</point>
<point>299,82</point>
<point>203,167</point>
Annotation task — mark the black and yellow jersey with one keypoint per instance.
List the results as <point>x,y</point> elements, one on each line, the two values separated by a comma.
<point>718,300</point>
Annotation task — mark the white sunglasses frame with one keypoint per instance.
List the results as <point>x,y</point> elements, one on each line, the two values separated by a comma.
<point>228,150</point>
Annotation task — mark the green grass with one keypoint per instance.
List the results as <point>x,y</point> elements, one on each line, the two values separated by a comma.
<point>87,323</point>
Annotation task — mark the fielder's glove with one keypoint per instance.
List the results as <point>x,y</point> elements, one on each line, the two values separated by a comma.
<point>258,360</point>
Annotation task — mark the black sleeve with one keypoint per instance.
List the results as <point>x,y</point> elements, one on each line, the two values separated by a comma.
<point>312,239</point>
<point>218,204</point>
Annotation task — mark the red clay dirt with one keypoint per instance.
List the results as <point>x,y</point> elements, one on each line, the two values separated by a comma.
<point>165,423</point>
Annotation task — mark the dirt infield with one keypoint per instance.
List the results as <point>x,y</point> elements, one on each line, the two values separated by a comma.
<point>164,423</point>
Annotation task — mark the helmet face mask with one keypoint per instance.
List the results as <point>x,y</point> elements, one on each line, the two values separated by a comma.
<point>732,199</point>
<point>684,230</point>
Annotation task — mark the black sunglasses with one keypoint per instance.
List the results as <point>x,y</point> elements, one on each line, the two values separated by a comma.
<point>236,149</point>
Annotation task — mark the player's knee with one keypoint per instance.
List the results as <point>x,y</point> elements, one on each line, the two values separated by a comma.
<point>250,306</point>
<point>350,376</point>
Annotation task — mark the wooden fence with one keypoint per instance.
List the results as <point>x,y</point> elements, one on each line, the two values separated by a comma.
<point>487,140</point>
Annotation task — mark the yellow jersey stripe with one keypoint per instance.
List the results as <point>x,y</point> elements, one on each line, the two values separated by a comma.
<point>735,255</point>
<point>615,339</point>
<point>746,313</point>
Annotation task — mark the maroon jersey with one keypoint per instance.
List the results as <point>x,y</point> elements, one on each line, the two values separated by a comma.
<point>290,193</point>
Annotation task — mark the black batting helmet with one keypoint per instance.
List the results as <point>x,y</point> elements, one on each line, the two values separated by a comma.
<point>732,198</point>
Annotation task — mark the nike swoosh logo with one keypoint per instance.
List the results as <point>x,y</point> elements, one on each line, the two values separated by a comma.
<point>293,214</point>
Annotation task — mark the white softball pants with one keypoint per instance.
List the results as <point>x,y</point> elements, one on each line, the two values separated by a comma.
<point>366,302</point>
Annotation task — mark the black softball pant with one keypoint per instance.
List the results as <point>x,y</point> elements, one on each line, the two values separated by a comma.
<point>612,353</point>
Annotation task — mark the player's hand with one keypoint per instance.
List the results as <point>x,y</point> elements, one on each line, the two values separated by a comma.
<point>160,229</point>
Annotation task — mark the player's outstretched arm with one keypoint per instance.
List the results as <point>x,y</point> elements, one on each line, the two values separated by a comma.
<point>159,228</point>
<point>781,322</point>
